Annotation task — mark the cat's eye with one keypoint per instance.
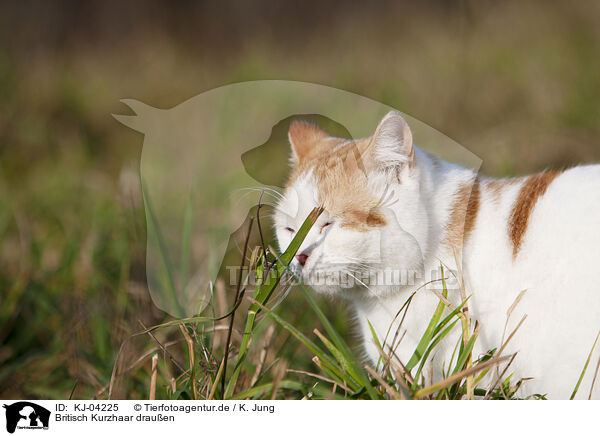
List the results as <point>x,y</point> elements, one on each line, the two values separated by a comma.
<point>327,224</point>
<point>289,229</point>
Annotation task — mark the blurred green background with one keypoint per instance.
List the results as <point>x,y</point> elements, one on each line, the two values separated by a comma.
<point>517,83</point>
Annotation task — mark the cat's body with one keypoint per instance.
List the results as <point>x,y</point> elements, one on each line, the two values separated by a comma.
<point>391,208</point>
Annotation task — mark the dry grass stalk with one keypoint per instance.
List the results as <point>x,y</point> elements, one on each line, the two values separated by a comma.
<point>499,377</point>
<point>213,389</point>
<point>459,376</point>
<point>263,354</point>
<point>152,395</point>
<point>222,325</point>
<point>400,374</point>
<point>466,320</point>
<point>320,377</point>
<point>391,392</point>
<point>279,372</point>
<point>162,347</point>
<point>190,343</point>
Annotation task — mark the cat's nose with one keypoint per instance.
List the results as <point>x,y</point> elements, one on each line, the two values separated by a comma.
<point>301,258</point>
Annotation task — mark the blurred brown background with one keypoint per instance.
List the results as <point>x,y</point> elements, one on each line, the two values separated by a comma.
<point>517,83</point>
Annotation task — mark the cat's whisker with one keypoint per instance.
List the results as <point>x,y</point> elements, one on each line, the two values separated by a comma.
<point>345,257</point>
<point>355,264</point>
<point>270,215</point>
<point>278,209</point>
<point>267,191</point>
<point>250,191</point>
<point>392,203</point>
<point>260,189</point>
<point>274,192</point>
<point>383,195</point>
<point>381,302</point>
<point>286,288</point>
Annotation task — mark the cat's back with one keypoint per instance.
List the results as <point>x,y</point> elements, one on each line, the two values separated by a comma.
<point>577,185</point>
<point>552,216</point>
<point>554,231</point>
<point>566,217</point>
<point>552,251</point>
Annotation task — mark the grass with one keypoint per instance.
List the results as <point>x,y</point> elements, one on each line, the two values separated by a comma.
<point>73,290</point>
<point>337,374</point>
<point>248,347</point>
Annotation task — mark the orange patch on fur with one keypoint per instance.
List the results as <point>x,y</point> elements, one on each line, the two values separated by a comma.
<point>306,139</point>
<point>362,220</point>
<point>340,168</point>
<point>463,214</point>
<point>495,187</point>
<point>342,181</point>
<point>534,187</point>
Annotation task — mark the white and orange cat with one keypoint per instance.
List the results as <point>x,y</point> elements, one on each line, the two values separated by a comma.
<point>394,214</point>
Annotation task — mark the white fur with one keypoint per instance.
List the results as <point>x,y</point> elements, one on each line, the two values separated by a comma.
<point>557,265</point>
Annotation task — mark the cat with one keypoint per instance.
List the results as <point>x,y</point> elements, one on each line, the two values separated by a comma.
<point>397,213</point>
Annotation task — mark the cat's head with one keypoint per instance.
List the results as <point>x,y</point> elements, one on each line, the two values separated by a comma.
<point>373,221</point>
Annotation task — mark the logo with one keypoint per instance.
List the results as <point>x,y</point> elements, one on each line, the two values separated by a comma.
<point>26,415</point>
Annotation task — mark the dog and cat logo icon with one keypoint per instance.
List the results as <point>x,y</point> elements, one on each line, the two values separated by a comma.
<point>26,415</point>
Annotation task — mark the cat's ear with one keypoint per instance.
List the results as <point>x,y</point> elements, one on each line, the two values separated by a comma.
<point>304,138</point>
<point>392,143</point>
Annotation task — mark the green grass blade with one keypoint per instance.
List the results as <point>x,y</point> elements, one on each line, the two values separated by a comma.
<point>351,376</point>
<point>426,338</point>
<point>464,354</point>
<point>376,340</point>
<point>357,368</point>
<point>341,345</point>
<point>264,290</point>
<point>186,238</point>
<point>190,320</point>
<point>291,250</point>
<point>447,319</point>
<point>431,347</point>
<point>154,229</point>
<point>325,359</point>
<point>256,391</point>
